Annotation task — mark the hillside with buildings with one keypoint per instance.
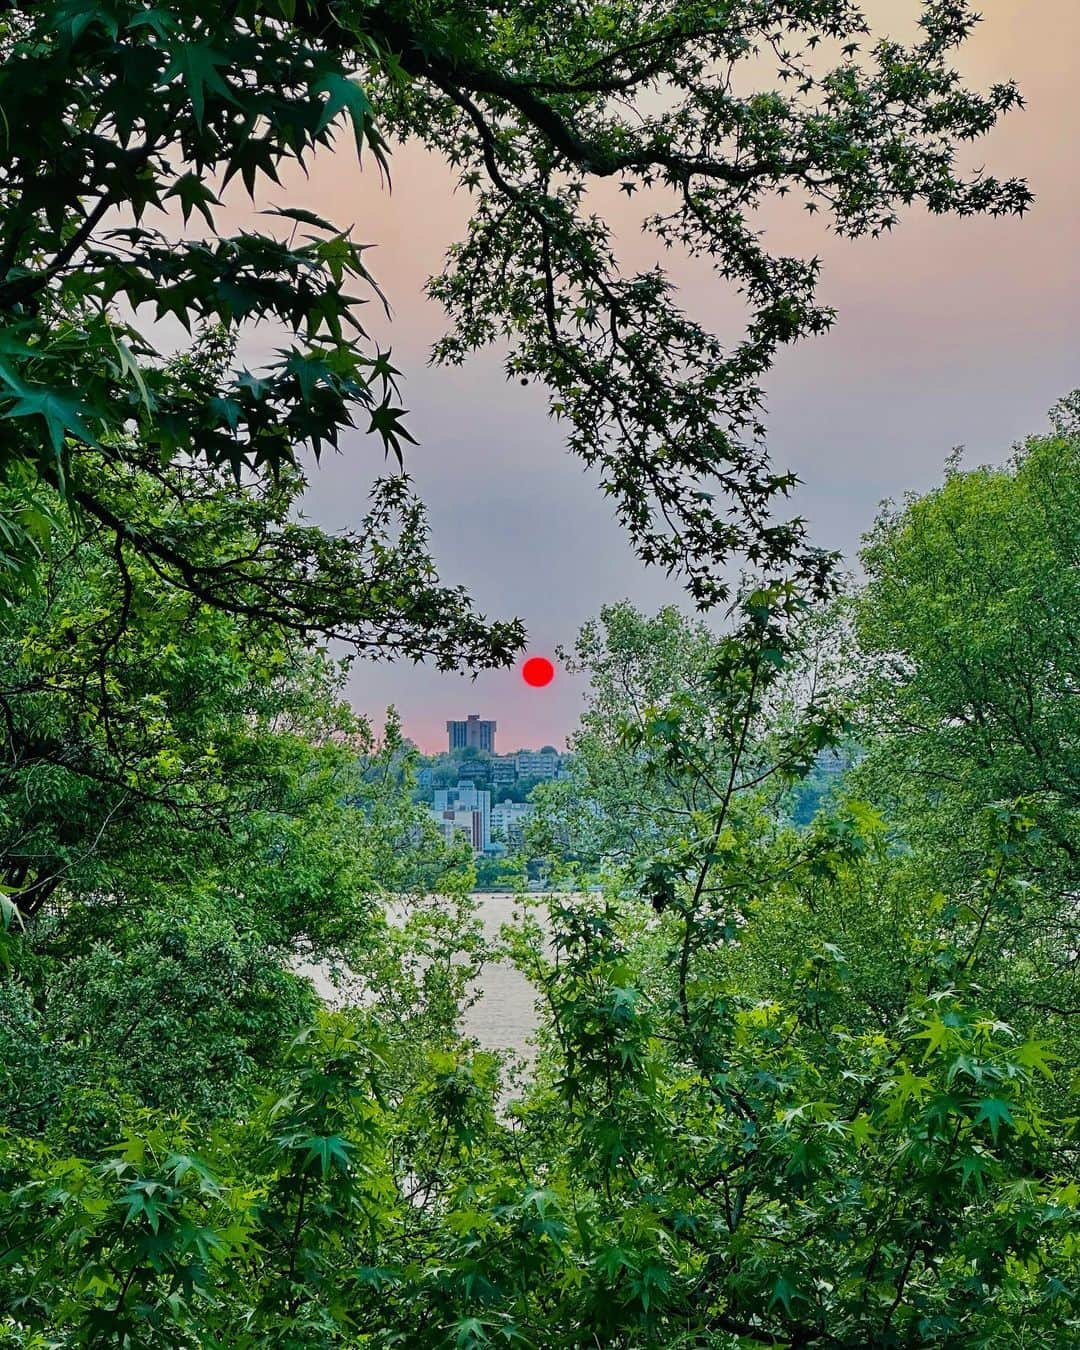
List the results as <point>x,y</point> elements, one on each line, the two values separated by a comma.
<point>474,791</point>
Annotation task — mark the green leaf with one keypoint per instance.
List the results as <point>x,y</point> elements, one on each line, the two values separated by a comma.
<point>160,20</point>
<point>194,195</point>
<point>386,421</point>
<point>9,911</point>
<point>783,1291</point>
<point>936,1035</point>
<point>78,15</point>
<point>130,367</point>
<point>198,64</point>
<point>62,416</point>
<point>973,1169</point>
<point>909,1085</point>
<point>331,1152</point>
<point>346,95</point>
<point>1035,1055</point>
<point>301,216</point>
<point>995,1112</point>
<point>470,1332</point>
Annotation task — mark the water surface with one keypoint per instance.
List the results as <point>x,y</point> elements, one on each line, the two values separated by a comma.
<point>503,1017</point>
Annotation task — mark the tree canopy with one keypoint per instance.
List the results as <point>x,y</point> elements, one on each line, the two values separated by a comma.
<point>127,109</point>
<point>795,1084</point>
<point>967,695</point>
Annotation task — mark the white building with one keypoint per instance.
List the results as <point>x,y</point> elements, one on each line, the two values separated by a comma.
<point>507,819</point>
<point>464,801</point>
<point>453,821</point>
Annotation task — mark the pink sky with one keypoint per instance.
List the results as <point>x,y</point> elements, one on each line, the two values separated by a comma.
<point>949,333</point>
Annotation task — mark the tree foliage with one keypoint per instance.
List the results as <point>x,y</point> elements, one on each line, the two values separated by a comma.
<point>791,1085</point>
<point>964,638</point>
<point>764,1110</point>
<point>797,1082</point>
<point>126,110</point>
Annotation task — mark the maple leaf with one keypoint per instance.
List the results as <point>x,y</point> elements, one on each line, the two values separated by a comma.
<point>344,95</point>
<point>995,1112</point>
<point>1035,1055</point>
<point>194,195</point>
<point>198,64</point>
<point>62,416</point>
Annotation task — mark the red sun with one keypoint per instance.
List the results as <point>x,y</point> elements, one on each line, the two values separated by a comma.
<point>537,671</point>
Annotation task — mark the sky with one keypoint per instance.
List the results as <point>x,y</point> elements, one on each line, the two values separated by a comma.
<point>949,333</point>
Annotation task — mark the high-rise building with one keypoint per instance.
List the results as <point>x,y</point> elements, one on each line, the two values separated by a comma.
<point>474,731</point>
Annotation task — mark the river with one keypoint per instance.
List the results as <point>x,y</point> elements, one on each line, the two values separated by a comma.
<point>504,1015</point>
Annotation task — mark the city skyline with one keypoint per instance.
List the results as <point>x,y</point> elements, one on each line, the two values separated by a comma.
<point>546,751</point>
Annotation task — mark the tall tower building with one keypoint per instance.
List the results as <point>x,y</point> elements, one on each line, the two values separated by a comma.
<point>474,731</point>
